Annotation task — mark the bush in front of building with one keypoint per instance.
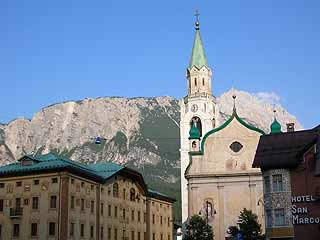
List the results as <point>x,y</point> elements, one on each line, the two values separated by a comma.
<point>249,227</point>
<point>198,229</point>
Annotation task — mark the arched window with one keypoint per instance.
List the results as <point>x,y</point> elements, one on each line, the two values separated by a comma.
<point>198,124</point>
<point>132,194</point>
<point>195,81</point>
<point>115,190</point>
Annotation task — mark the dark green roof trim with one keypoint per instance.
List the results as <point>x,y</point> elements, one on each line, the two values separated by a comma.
<point>160,196</point>
<point>195,153</point>
<point>226,123</point>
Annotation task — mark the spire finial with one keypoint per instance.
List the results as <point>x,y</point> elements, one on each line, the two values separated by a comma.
<point>197,20</point>
<point>234,102</point>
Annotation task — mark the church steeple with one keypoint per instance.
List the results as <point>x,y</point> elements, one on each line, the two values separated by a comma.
<point>198,57</point>
<point>198,72</point>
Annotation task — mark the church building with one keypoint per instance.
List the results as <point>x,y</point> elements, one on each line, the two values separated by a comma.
<point>217,178</point>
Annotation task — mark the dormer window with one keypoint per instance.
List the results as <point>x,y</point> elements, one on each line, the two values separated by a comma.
<point>26,162</point>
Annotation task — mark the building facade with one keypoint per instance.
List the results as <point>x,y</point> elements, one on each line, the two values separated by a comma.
<point>290,163</point>
<point>48,197</point>
<point>218,180</point>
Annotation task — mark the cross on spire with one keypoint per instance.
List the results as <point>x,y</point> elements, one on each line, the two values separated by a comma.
<point>197,20</point>
<point>197,14</point>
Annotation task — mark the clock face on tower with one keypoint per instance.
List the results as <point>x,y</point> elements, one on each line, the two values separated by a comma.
<point>194,108</point>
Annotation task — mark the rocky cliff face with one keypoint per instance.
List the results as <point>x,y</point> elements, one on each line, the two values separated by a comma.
<point>140,132</point>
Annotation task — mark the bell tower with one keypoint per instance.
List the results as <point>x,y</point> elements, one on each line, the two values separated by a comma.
<point>198,108</point>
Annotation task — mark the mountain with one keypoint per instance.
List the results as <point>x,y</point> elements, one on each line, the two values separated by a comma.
<point>142,133</point>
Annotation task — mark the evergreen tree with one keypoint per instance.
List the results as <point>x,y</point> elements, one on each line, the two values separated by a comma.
<point>248,226</point>
<point>198,229</point>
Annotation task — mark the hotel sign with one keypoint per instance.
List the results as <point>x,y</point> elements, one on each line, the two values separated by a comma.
<point>300,214</point>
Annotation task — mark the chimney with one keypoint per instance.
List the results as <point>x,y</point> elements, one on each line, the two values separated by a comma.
<point>290,127</point>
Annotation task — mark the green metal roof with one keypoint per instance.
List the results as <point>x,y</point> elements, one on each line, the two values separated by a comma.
<point>275,126</point>
<point>52,162</point>
<point>194,132</point>
<point>198,57</point>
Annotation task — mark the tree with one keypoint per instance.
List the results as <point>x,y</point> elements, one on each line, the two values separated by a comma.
<point>198,229</point>
<point>248,226</point>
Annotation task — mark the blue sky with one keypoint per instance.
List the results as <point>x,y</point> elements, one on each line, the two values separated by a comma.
<point>54,51</point>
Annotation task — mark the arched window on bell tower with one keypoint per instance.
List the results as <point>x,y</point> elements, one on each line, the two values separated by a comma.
<point>197,120</point>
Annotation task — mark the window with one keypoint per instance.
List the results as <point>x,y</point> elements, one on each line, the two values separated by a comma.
<point>91,231</point>
<point>72,202</point>
<point>168,221</point>
<point>34,229</point>
<point>82,204</point>
<point>267,184</point>
<point>101,209</point>
<point>53,201</point>
<point>161,236</point>
<point>144,217</point>
<point>16,230</point>
<point>202,81</point>
<point>132,235</point>
<point>52,228</point>
<point>132,215</point>
<point>115,190</point>
<point>82,230</point>
<point>35,203</point>
<point>1,205</point>
<point>101,233</point>
<point>72,180</point>
<point>92,187</point>
<point>36,182</point>
<point>124,194</point>
<point>115,211</point>
<point>124,213</point>
<point>115,234</point>
<point>82,184</point>
<point>139,237</point>
<point>277,183</point>
<point>2,185</point>
<point>109,210</point>
<point>71,229</point>
<point>132,194</point>
<point>123,234</point>
<point>101,190</point>
<point>19,184</point>
<point>54,180</point>
<point>109,233</point>
<point>153,217</point>
<point>161,220</point>
<point>236,147</point>
<point>168,236</point>
<point>18,202</point>
<point>26,201</point>
<point>139,216</point>
<point>92,206</point>
<point>153,236</point>
<point>268,218</point>
<point>279,217</point>
<point>195,81</point>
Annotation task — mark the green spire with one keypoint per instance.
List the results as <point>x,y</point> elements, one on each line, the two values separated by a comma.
<point>275,126</point>
<point>198,57</point>
<point>194,132</point>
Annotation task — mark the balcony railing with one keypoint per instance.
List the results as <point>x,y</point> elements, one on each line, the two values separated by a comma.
<point>16,212</point>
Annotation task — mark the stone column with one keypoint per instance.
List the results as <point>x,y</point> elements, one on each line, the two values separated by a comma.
<point>221,229</point>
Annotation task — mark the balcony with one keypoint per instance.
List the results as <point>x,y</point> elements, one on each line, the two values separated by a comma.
<point>16,212</point>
